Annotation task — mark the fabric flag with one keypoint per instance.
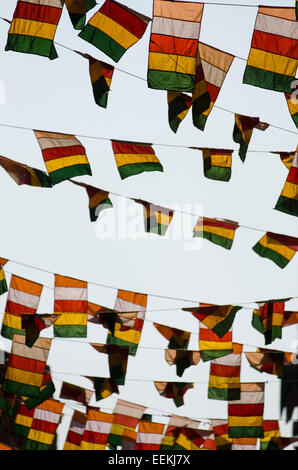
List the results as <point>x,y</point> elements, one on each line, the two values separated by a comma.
<point>75,432</point>
<point>34,26</point>
<point>134,158</point>
<point>24,174</point>
<point>129,440</point>
<point>245,416</point>
<point>75,392</point>
<point>3,283</point>
<point>23,421</point>
<point>126,417</point>
<point>243,129</point>
<point>217,164</point>
<point>265,360</point>
<point>175,390</point>
<point>23,297</point>
<point>293,107</point>
<point>114,29</point>
<point>182,359</point>
<point>288,199</point>
<point>77,10</point>
<point>244,443</point>
<point>33,324</point>
<point>268,319</point>
<point>97,430</point>
<point>104,387</point>
<point>174,427</point>
<point>105,316</point>
<point>273,57</point>
<point>46,391</point>
<point>224,376</point>
<point>271,429</point>
<point>290,318</point>
<point>178,339</point>
<point>178,107</point>
<point>218,318</point>
<point>173,45</point>
<point>220,429</point>
<point>101,75</point>
<point>118,357</point>
<point>278,248</point>
<point>212,346</point>
<point>149,435</point>
<point>98,200</point>
<point>280,443</point>
<point>156,218</point>
<point>71,303</point>
<point>26,366</point>
<point>218,231</point>
<point>195,439</point>
<point>286,158</point>
<point>64,156</point>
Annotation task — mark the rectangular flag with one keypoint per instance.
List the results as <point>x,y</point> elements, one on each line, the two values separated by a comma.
<point>217,164</point>
<point>156,218</point>
<point>134,158</point>
<point>33,324</point>
<point>182,359</point>
<point>288,199</point>
<point>118,357</point>
<point>114,29</point>
<point>101,75</point>
<point>63,154</point>
<point>268,319</point>
<point>97,430</point>
<point>174,427</point>
<point>175,390</point>
<point>220,429</point>
<point>77,10</point>
<point>173,45</point>
<point>271,430</point>
<point>218,318</point>
<point>244,443</point>
<point>178,339</point>
<point>46,391</point>
<point>273,57</point>
<point>98,200</point>
<point>126,417</point>
<point>149,435</point>
<point>218,231</point>
<point>71,297</point>
<point>75,392</point>
<point>224,376</point>
<point>212,346</point>
<point>195,439</point>
<point>75,432</point>
<point>46,419</point>
<point>178,107</point>
<point>23,420</point>
<point>34,26</point>
<point>265,360</point>
<point>104,387</point>
<point>278,248</point>
<point>24,174</point>
<point>242,132</point>
<point>3,283</point>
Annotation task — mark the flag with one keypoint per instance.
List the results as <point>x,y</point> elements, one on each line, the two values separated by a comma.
<point>218,231</point>
<point>224,376</point>
<point>114,29</point>
<point>178,339</point>
<point>71,303</point>
<point>118,357</point>
<point>3,283</point>
<point>290,318</point>
<point>75,392</point>
<point>23,421</point>
<point>33,324</point>
<point>273,57</point>
<point>288,199</point>
<point>149,435</point>
<point>292,103</point>
<point>245,416</point>
<point>26,366</point>
<point>243,129</point>
<point>279,248</point>
<point>173,45</point>
<point>134,158</point>
<point>195,439</point>
<point>175,390</point>
<point>271,430</point>
<point>178,107</point>
<point>126,417</point>
<point>265,360</point>
<point>24,174</point>
<point>77,10</point>
<point>244,443</point>
<point>156,218</point>
<point>104,387</point>
<point>268,319</point>
<point>217,164</point>
<point>182,359</point>
<point>46,391</point>
<point>64,156</point>
<point>23,297</point>
<point>174,427</point>
<point>286,158</point>
<point>34,26</point>
<point>280,443</point>
<point>101,75</point>
<point>212,346</point>
<point>220,429</point>
<point>98,200</point>
<point>97,430</point>
<point>129,440</point>
<point>218,318</point>
<point>105,316</point>
<point>75,432</point>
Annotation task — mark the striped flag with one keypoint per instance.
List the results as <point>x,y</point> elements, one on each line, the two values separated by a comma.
<point>273,57</point>
<point>157,218</point>
<point>288,199</point>
<point>173,45</point>
<point>33,324</point>
<point>178,339</point>
<point>75,392</point>
<point>75,432</point>
<point>104,387</point>
<point>218,318</point>
<point>71,303</point>
<point>245,416</point>
<point>23,421</point>
<point>97,430</point>
<point>134,158</point>
<point>242,132</point>
<point>175,390</point>
<point>271,430</point>
<point>278,248</point>
<point>224,376</point>
<point>77,10</point>
<point>182,359</point>
<point>265,360</point>
<point>218,231</point>
<point>212,346</point>
<point>286,158</point>
<point>114,29</point>
<point>290,318</point>
<point>178,107</point>
<point>3,283</point>
<point>174,427</point>
<point>23,297</point>
<point>98,200</point>
<point>64,156</point>
<point>34,26</point>
<point>149,435</point>
<point>126,417</point>
<point>118,357</point>
<point>195,439</point>
<point>217,164</point>
<point>24,174</point>
<point>101,75</point>
<point>268,319</point>
<point>220,429</point>
<point>292,103</point>
<point>46,391</point>
<point>244,443</point>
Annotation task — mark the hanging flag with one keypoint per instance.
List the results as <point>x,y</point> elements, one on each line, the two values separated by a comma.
<point>273,57</point>
<point>134,158</point>
<point>23,421</point>
<point>97,430</point>
<point>280,443</point>
<point>220,429</point>
<point>286,158</point>
<point>178,107</point>
<point>174,427</point>
<point>175,390</point>
<point>292,103</point>
<point>104,387</point>
<point>98,200</point>
<point>126,417</point>
<point>178,339</point>
<point>71,303</point>
<point>107,317</point>
<point>23,297</point>
<point>24,174</point>
<point>118,357</point>
<point>218,318</point>
<point>243,129</point>
<point>75,392</point>
<point>290,318</point>
<point>278,248</point>
<point>265,360</point>
<point>288,199</point>
<point>46,391</point>
<point>182,359</point>
<point>101,75</point>
<point>64,156</point>
<point>218,231</point>
<point>224,376</point>
<point>212,346</point>
<point>149,435</point>
<point>268,319</point>
<point>271,429</point>
<point>114,29</point>
<point>75,432</point>
<point>77,10</point>
<point>195,439</point>
<point>174,44</point>
<point>3,283</point>
<point>33,324</point>
<point>217,164</point>
<point>34,26</point>
<point>244,443</point>
<point>157,218</point>
<point>245,416</point>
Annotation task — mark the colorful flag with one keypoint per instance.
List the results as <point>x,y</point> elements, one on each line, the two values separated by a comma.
<point>23,297</point>
<point>64,156</point>
<point>3,283</point>
<point>24,174</point>
<point>244,443</point>
<point>268,319</point>
<point>174,44</point>
<point>114,29</point>
<point>178,339</point>
<point>101,75</point>
<point>220,429</point>
<point>46,391</point>
<point>265,360</point>
<point>224,376</point>
<point>23,421</point>
<point>178,107</point>
<point>245,416</point>
<point>279,248</point>
<point>271,429</point>
<point>290,318</point>
<point>218,231</point>
<point>33,27</point>
<point>134,158</point>
<point>217,164</point>
<point>98,200</point>
<point>118,357</point>
<point>212,346</point>
<point>292,103</point>
<point>195,439</point>
<point>71,303</point>
<point>218,318</point>
<point>156,218</point>
<point>77,10</point>
<point>182,359</point>
<point>175,390</point>
<point>104,387</point>
<point>33,324</point>
<point>286,158</point>
<point>174,427</point>
<point>273,57</point>
<point>149,435</point>
<point>288,199</point>
<point>126,417</point>
<point>97,430</point>
<point>280,443</point>
<point>243,129</point>
<point>75,392</point>
<point>75,432</point>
